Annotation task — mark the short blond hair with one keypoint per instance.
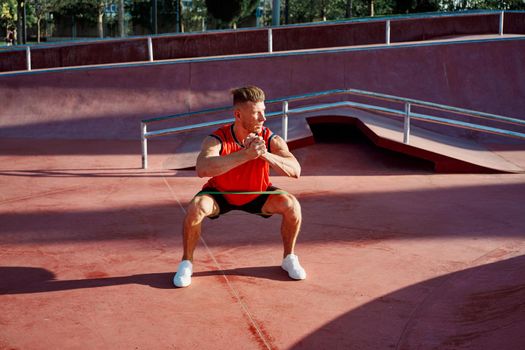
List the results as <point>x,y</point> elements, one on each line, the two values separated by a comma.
<point>247,94</point>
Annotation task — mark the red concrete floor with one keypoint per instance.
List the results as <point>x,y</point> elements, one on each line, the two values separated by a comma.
<point>397,257</point>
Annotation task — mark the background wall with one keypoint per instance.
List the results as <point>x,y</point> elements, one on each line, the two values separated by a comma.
<point>108,103</point>
<point>256,40</point>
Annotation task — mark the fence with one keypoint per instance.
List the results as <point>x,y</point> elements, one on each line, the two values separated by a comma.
<point>291,37</point>
<point>405,111</point>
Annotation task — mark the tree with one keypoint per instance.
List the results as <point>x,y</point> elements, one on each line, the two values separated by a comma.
<point>86,10</point>
<point>409,6</point>
<point>226,13</point>
<point>93,11</point>
<point>348,9</point>
<point>302,11</point>
<point>101,11</point>
<point>194,16</point>
<point>458,5</point>
<point>42,8</point>
<point>121,14</point>
<point>8,13</point>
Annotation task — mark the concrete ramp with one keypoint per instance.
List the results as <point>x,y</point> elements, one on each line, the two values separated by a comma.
<point>449,153</point>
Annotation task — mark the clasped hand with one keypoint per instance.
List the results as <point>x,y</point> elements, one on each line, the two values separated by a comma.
<point>255,146</point>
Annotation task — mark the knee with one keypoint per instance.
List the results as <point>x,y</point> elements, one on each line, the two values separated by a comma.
<point>198,209</point>
<point>289,206</point>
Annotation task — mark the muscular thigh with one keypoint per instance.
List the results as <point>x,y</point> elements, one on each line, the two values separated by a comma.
<point>280,203</point>
<point>204,204</point>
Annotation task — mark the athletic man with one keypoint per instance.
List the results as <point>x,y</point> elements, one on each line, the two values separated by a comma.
<point>238,158</point>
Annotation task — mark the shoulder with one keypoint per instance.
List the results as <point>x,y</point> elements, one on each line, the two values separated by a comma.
<point>223,129</point>
<point>211,144</point>
<point>211,141</point>
<point>277,144</point>
<point>268,135</point>
<point>266,132</point>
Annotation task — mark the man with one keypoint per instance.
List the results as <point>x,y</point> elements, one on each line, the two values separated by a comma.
<point>238,158</point>
<point>10,37</point>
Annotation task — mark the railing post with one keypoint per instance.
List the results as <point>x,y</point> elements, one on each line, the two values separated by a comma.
<point>270,40</point>
<point>144,140</point>
<point>28,58</point>
<point>150,49</point>
<point>285,121</point>
<point>406,131</point>
<point>387,32</point>
<point>501,17</point>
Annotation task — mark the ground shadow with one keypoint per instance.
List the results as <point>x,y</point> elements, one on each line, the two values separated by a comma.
<point>344,149</point>
<point>479,308</point>
<point>24,280</point>
<point>275,273</point>
<point>491,210</point>
<point>108,172</point>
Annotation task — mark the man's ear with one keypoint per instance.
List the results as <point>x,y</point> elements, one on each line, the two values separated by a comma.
<point>237,113</point>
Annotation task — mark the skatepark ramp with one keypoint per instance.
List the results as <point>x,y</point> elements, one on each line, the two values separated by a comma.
<point>401,124</point>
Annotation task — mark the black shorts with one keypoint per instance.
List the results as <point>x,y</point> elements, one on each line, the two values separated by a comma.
<point>253,207</point>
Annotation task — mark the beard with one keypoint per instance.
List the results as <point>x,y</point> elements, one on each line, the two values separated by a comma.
<point>252,127</point>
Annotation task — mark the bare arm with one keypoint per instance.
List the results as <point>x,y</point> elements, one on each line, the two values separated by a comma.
<point>211,163</point>
<point>281,159</point>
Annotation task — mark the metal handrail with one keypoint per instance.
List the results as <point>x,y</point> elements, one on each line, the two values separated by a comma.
<point>225,108</point>
<point>406,113</point>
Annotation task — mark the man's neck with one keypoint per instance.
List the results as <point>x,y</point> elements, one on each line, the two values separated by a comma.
<point>240,132</point>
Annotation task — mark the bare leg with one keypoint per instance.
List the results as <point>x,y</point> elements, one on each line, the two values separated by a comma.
<point>290,209</point>
<point>199,208</point>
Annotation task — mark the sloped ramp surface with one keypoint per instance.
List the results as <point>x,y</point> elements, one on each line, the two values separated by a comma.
<point>449,154</point>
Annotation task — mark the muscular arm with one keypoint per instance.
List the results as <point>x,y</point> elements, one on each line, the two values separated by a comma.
<point>281,159</point>
<point>211,163</point>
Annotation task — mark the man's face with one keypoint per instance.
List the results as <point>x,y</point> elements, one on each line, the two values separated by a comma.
<point>251,115</point>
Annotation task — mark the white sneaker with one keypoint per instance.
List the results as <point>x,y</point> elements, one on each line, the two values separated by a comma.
<point>183,276</point>
<point>291,265</point>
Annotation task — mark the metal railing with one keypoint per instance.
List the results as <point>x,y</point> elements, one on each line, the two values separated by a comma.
<point>406,112</point>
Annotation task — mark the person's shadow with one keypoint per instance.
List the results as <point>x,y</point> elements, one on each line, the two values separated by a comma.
<point>22,280</point>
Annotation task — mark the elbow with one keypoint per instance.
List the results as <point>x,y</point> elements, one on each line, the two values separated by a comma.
<point>202,168</point>
<point>201,172</point>
<point>297,173</point>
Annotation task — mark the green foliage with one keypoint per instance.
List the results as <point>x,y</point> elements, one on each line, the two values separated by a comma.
<point>455,5</point>
<point>227,12</point>
<point>86,9</point>
<point>319,10</point>
<point>42,7</point>
<point>407,6</point>
<point>8,16</point>
<point>194,16</point>
<point>141,12</point>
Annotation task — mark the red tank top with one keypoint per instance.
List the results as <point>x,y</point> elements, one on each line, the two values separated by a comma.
<point>251,176</point>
